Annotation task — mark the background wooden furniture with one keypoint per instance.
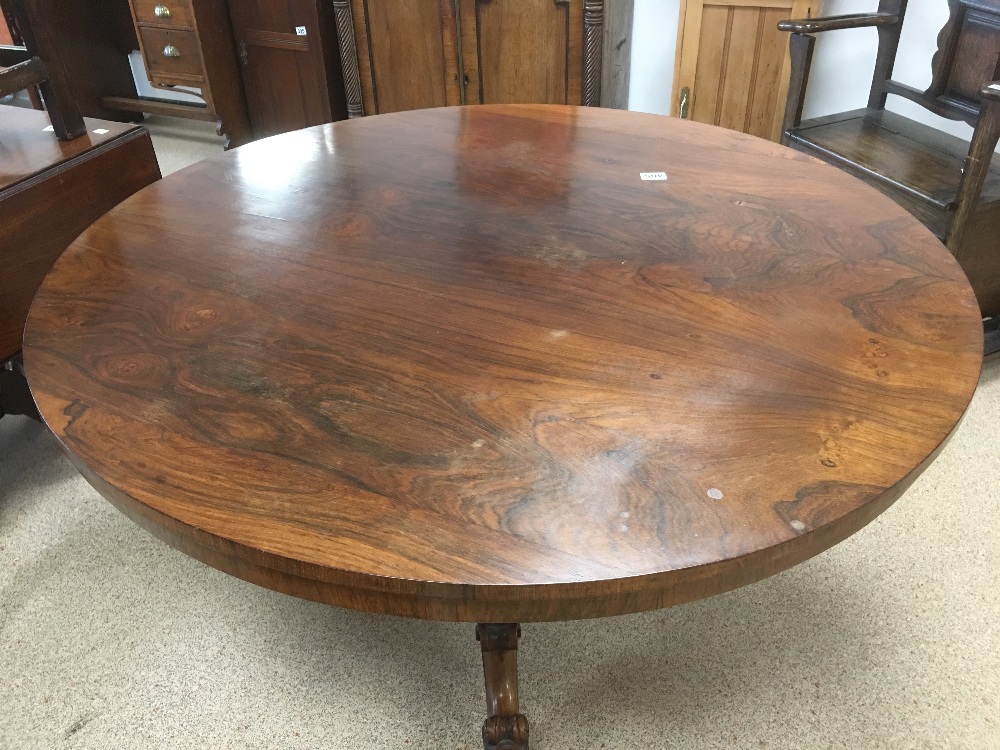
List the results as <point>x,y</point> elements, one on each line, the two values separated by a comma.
<point>291,68</point>
<point>92,39</point>
<point>6,36</point>
<point>732,64</point>
<point>37,65</point>
<point>58,174</point>
<point>11,37</point>
<point>616,58</point>
<point>947,183</point>
<point>189,43</point>
<point>434,53</point>
<point>463,363</point>
<point>50,191</point>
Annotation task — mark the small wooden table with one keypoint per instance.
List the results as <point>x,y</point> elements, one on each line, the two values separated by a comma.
<point>465,364</point>
<point>50,191</point>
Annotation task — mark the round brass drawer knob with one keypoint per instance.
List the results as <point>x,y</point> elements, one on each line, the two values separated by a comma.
<point>171,51</point>
<point>161,11</point>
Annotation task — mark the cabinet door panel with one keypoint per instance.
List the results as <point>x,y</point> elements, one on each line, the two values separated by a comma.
<point>284,70</point>
<point>412,48</point>
<point>523,50</point>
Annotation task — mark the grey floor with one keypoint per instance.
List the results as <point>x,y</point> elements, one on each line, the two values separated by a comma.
<point>110,639</point>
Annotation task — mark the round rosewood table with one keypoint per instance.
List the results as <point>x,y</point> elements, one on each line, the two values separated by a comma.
<point>472,364</point>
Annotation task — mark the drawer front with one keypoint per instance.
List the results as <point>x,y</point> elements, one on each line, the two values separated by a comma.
<point>171,55</point>
<point>164,12</point>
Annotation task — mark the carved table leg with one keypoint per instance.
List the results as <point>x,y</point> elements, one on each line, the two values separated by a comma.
<point>505,728</point>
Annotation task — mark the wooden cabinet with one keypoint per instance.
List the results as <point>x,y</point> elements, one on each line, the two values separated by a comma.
<point>409,54</point>
<point>189,43</point>
<point>288,53</point>
<point>732,63</point>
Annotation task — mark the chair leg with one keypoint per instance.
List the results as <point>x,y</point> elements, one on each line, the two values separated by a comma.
<point>991,336</point>
<point>800,48</point>
<point>977,165</point>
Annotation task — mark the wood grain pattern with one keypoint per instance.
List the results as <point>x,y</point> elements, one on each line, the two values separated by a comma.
<point>523,51</point>
<point>463,364</point>
<point>408,54</point>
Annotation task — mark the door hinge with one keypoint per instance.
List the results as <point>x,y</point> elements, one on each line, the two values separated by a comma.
<point>685,102</point>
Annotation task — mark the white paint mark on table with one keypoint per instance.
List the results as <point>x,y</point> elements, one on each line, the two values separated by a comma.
<point>797,525</point>
<point>560,334</point>
<point>715,493</point>
<point>657,176</point>
<point>479,443</point>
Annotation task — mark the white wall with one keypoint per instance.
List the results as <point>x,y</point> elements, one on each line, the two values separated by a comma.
<point>654,40</point>
<point>844,62</point>
<point>842,65</point>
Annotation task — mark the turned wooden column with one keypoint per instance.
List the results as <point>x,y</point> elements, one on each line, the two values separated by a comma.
<point>505,728</point>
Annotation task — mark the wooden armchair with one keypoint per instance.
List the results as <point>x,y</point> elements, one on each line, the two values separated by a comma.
<point>948,183</point>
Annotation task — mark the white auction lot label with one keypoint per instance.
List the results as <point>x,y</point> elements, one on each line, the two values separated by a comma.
<point>652,175</point>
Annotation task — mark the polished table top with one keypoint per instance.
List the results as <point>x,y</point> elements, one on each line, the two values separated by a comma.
<point>465,364</point>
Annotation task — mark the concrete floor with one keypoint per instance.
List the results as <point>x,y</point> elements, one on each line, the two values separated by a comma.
<point>110,639</point>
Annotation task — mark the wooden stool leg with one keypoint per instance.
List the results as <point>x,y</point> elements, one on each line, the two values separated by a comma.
<point>505,728</point>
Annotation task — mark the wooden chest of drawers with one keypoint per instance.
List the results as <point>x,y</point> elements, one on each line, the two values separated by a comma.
<point>189,43</point>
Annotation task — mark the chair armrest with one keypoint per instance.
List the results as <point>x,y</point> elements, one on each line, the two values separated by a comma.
<point>833,23</point>
<point>22,75</point>
<point>991,91</point>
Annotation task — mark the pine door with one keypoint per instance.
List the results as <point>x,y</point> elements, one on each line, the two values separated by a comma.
<point>732,63</point>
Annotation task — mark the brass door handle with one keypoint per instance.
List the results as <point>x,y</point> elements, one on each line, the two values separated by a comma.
<point>161,11</point>
<point>171,51</point>
<point>685,102</point>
